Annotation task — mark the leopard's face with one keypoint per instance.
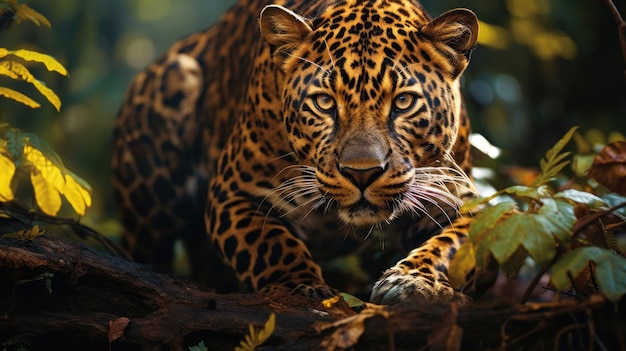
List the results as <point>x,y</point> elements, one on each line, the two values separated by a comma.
<point>371,105</point>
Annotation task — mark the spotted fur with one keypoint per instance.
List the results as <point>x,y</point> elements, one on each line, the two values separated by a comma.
<point>301,119</point>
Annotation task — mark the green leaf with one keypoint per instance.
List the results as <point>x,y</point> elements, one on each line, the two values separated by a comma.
<point>473,203</point>
<point>553,163</point>
<point>610,270</point>
<point>581,197</point>
<point>529,192</point>
<point>351,300</point>
<point>487,218</point>
<point>521,229</point>
<point>463,262</point>
<point>538,233</point>
<point>511,266</point>
<point>200,347</point>
<point>560,214</point>
<point>613,199</point>
<point>15,143</point>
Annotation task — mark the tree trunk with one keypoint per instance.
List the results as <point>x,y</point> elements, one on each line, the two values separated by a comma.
<point>60,294</point>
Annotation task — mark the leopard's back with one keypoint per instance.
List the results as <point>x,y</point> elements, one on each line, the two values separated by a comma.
<point>174,120</point>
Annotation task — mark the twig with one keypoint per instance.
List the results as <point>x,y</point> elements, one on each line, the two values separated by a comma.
<point>567,329</point>
<point>593,217</point>
<point>535,281</point>
<point>621,27</point>
<point>80,229</point>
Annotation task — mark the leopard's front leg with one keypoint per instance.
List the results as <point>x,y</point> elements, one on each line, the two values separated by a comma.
<point>423,273</point>
<point>260,248</point>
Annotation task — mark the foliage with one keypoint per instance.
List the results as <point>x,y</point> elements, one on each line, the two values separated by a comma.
<point>200,347</point>
<point>22,12</point>
<point>547,226</point>
<point>24,153</point>
<point>18,71</point>
<point>610,270</point>
<point>257,337</point>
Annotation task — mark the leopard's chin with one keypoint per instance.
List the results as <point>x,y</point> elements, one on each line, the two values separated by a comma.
<point>364,213</point>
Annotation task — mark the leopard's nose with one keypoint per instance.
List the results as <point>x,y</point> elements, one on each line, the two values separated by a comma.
<point>362,177</point>
<point>362,161</point>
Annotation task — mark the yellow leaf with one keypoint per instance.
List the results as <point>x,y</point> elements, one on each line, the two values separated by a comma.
<point>50,62</point>
<point>51,173</point>
<point>254,338</point>
<point>26,13</point>
<point>268,329</point>
<point>328,303</point>
<point>47,197</point>
<point>8,170</point>
<point>49,94</point>
<point>3,52</point>
<point>19,97</point>
<point>462,264</point>
<point>76,195</point>
<point>17,70</point>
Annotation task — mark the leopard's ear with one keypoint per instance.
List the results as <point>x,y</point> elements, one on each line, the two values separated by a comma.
<point>283,29</point>
<point>458,30</point>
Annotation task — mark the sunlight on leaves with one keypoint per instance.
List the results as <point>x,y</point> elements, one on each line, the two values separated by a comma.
<point>535,223</point>
<point>18,71</point>
<point>257,337</point>
<point>8,169</point>
<point>50,62</point>
<point>47,196</point>
<point>553,162</point>
<point>19,97</point>
<point>49,182</point>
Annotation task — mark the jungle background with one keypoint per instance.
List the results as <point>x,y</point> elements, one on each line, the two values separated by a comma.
<point>542,66</point>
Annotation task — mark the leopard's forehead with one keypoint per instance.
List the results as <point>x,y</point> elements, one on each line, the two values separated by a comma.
<point>359,43</point>
<point>390,12</point>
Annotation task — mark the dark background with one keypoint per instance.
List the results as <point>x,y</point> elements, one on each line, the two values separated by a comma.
<point>542,66</point>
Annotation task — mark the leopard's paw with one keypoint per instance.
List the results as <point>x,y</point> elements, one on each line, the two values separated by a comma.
<point>318,291</point>
<point>315,291</point>
<point>398,284</point>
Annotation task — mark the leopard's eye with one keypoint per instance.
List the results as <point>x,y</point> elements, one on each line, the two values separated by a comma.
<point>403,102</point>
<point>324,102</point>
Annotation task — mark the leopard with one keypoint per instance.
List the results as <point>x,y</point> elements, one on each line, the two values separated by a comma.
<point>290,123</point>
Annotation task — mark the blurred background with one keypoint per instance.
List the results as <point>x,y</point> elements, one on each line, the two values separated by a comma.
<point>542,66</point>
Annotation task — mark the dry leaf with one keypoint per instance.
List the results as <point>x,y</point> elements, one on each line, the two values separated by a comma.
<point>116,328</point>
<point>609,167</point>
<point>348,330</point>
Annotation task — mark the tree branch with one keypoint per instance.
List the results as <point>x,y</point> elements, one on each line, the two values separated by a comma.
<point>621,27</point>
<point>59,294</point>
